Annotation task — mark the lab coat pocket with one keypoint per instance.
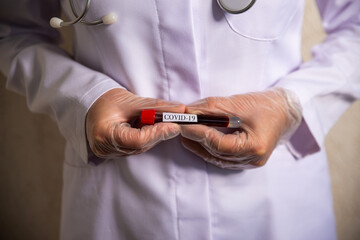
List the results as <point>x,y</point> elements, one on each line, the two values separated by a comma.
<point>265,20</point>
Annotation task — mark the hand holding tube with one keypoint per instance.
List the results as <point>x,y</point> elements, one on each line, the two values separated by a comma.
<point>108,130</point>
<point>266,117</point>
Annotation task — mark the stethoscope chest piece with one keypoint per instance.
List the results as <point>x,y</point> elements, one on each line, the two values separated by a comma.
<point>236,6</point>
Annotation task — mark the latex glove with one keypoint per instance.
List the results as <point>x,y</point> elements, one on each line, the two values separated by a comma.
<point>266,117</point>
<point>108,130</point>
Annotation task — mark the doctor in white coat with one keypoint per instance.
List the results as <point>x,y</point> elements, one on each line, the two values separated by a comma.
<point>188,182</point>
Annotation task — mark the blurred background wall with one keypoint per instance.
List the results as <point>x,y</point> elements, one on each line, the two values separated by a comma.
<point>31,155</point>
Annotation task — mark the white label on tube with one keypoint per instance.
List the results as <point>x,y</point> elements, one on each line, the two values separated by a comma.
<point>179,117</point>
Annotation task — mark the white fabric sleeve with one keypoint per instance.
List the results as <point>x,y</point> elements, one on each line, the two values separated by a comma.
<point>330,82</point>
<point>37,68</point>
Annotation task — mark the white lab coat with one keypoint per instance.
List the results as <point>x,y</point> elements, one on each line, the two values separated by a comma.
<point>185,50</point>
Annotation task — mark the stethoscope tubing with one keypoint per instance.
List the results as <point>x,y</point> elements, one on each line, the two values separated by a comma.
<point>77,18</point>
<point>97,22</point>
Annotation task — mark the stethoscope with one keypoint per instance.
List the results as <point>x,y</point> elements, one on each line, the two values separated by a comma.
<point>230,6</point>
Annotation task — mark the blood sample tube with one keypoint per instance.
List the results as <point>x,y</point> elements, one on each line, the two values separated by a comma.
<point>150,117</point>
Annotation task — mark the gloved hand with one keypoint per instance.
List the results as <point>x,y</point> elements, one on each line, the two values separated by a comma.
<point>266,117</point>
<point>108,130</point>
